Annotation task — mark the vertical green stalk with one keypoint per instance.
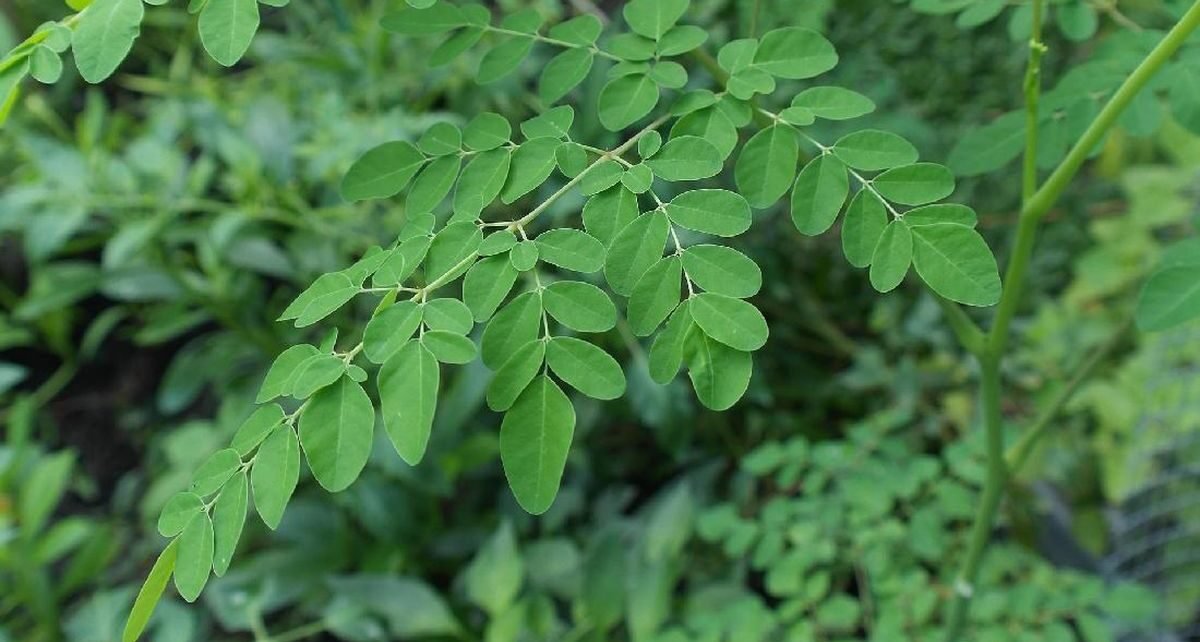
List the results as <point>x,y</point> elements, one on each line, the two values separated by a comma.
<point>1036,201</point>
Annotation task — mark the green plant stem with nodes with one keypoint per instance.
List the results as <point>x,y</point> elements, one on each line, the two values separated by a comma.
<point>1037,201</point>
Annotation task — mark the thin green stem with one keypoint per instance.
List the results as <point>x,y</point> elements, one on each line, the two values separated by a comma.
<point>1037,202</point>
<point>967,331</point>
<point>1033,89</point>
<point>556,42</point>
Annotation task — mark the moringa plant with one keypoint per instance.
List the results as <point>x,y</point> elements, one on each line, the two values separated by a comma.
<point>478,247</point>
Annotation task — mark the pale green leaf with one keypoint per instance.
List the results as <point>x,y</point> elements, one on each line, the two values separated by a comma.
<point>227,27</point>
<point>654,18</point>
<point>487,131</point>
<point>150,593</point>
<point>280,378</point>
<point>256,428</point>
<point>178,512</point>
<point>795,53</point>
<point>382,172</point>
<point>104,35</point>
<point>215,471</point>
<point>433,183</point>
<point>681,39</point>
<point>449,347</point>
<point>452,250</point>
<point>515,375</point>
<point>722,270</point>
<point>892,256</point>
<point>481,182</point>
<point>767,165</point>
<point>872,150</point>
<point>229,517</point>
<point>275,473</point>
<point>580,30</point>
<point>956,263</point>
<point>535,438</point>
<point>731,321</point>
<point>571,249</point>
<point>503,59</point>
<point>865,219</point>
<point>438,18</point>
<point>553,123</point>
<point>711,211</point>
<point>609,212</point>
<point>834,103</point>
<point>601,176</point>
<point>336,431</point>
<point>635,248</point>
<point>585,368</point>
<point>389,330</point>
<point>515,325</point>
<point>524,256</point>
<point>941,213</point>
<point>441,139</point>
<point>408,389</point>
<point>563,73</point>
<point>686,158</point>
<point>821,189</point>
<point>626,100</point>
<point>915,184</point>
<point>655,295</point>
<point>487,284</point>
<point>194,561</point>
<point>450,315</point>
<point>580,306</point>
<point>667,351</point>
<point>531,165</point>
<point>720,374</point>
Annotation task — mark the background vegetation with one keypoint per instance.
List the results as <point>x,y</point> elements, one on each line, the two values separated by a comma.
<point>153,228</point>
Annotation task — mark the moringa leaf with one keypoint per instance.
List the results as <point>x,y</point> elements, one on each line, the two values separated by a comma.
<point>767,165</point>
<point>956,263</point>
<point>336,431</point>
<point>227,27</point>
<point>585,368</point>
<point>104,35</point>
<point>580,306</point>
<point>722,270</point>
<point>535,438</point>
<point>636,247</point>
<point>408,389</point>
<point>382,172</point>
<point>515,375</point>
<point>731,321</point>
<point>655,295</point>
<point>275,473</point>
<point>892,256</point>
<point>819,193</point>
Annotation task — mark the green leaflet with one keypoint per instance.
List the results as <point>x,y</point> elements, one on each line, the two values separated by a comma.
<point>515,375</point>
<point>655,295</point>
<point>585,368</point>
<point>572,159</point>
<point>389,330</point>
<point>711,211</point>
<point>214,472</point>
<point>649,144</point>
<point>731,321</point>
<point>450,315</point>
<point>503,59</point>
<point>956,263</point>
<point>449,347</point>
<point>722,270</point>
<point>737,55</point>
<point>229,516</point>
<point>524,256</point>
<point>654,18</point>
<point>104,36</point>
<point>514,326</point>
<point>872,150</point>
<point>1171,296</point>
<point>497,242</point>
<point>681,39</point>
<point>227,27</point>
<point>441,139</point>
<point>451,251</point>
<point>45,65</point>
<point>720,374</point>
<point>487,131</point>
<point>535,438</point>
<point>631,46</point>
<point>626,100</point>
<point>257,426</point>
<point>602,176</point>
<point>563,73</point>
<point>433,183</point>
<point>609,212</point>
<point>382,172</point>
<point>580,30</point>
<point>151,592</point>
<point>833,103</point>
<point>767,165</point>
<point>795,53</point>
<point>865,219</point>
<point>336,431</point>
<point>667,351</point>
<point>941,213</point>
<point>531,165</point>
<point>440,17</point>
<point>686,158</point>
<point>481,182</point>
<point>317,372</point>
<point>178,512</point>
<point>571,249</point>
<point>669,74</point>
<point>408,389</point>
<point>713,125</point>
<point>194,559</point>
<point>820,190</point>
<point>639,178</point>
<point>892,256</point>
<point>580,306</point>
<point>915,184</point>
<point>553,123</point>
<point>403,261</point>
<point>275,473</point>
<point>487,284</point>
<point>635,248</point>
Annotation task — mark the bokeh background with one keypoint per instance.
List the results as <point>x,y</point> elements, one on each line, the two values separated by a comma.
<point>152,229</point>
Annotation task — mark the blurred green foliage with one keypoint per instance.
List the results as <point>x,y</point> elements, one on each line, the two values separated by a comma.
<point>153,228</point>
